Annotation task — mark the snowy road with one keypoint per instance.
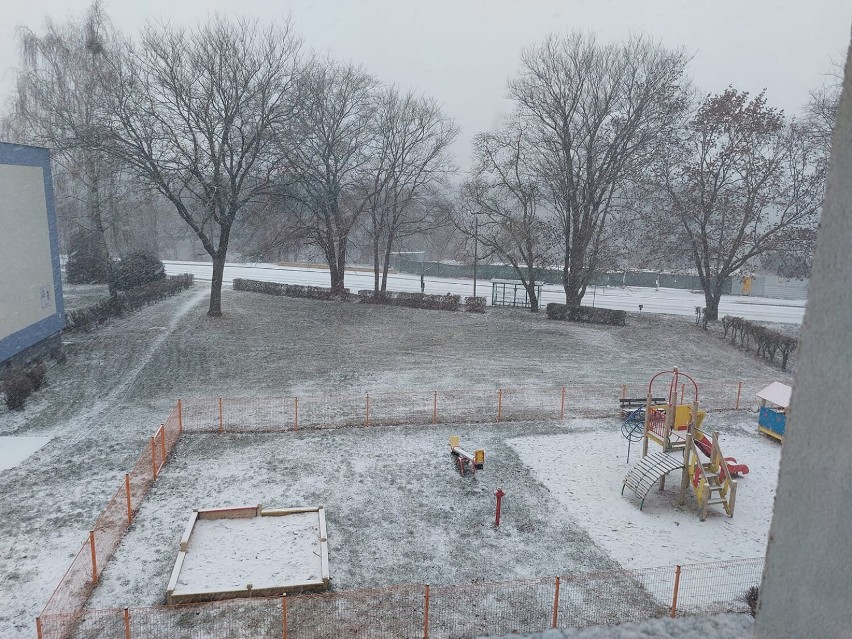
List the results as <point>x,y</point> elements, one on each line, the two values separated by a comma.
<point>665,300</point>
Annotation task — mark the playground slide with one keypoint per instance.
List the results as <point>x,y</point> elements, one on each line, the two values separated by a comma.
<point>706,447</point>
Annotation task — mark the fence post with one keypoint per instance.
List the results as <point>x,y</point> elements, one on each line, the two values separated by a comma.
<point>221,421</point>
<point>674,594</point>
<point>739,392</point>
<point>295,413</point>
<point>562,407</point>
<point>624,391</point>
<point>127,495</point>
<point>284,616</point>
<point>94,556</point>
<point>682,389</point>
<point>367,417</point>
<point>435,407</point>
<point>426,613</point>
<point>163,444</point>
<point>126,624</point>
<point>154,458</point>
<point>38,628</point>
<point>180,416</point>
<point>499,403</point>
<point>555,605</point>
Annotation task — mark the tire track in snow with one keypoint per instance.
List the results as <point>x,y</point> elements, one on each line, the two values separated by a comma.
<point>102,408</point>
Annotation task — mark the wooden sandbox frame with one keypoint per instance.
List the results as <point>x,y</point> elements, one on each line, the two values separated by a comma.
<point>248,512</point>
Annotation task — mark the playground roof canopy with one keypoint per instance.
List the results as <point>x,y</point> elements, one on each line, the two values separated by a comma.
<point>777,393</point>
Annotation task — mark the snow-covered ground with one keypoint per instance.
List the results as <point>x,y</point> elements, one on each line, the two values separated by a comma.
<point>672,301</point>
<point>14,450</point>
<point>119,382</point>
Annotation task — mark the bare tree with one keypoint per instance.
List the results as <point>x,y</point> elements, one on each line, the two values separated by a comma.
<point>199,115</point>
<point>742,182</point>
<point>56,104</point>
<point>410,161</point>
<point>325,168</point>
<point>596,115</point>
<point>503,200</point>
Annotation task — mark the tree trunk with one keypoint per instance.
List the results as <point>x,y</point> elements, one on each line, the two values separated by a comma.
<point>574,287</point>
<point>215,309</point>
<point>533,297</point>
<point>386,265</point>
<point>376,268</point>
<point>338,271</point>
<point>711,299</point>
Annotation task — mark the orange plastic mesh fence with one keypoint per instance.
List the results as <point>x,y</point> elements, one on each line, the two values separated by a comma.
<point>474,610</point>
<point>391,613</point>
<point>717,587</point>
<point>263,414</point>
<point>617,596</point>
<point>464,610</point>
<point>110,527</point>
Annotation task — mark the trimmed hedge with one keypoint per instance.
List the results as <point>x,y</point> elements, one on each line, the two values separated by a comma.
<point>125,301</point>
<point>411,300</point>
<point>289,290</point>
<point>137,269</point>
<point>586,314</point>
<point>474,304</point>
<point>767,342</point>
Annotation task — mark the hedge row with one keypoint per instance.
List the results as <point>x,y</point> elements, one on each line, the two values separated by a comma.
<point>411,300</point>
<point>125,301</point>
<point>474,304</point>
<point>586,314</point>
<point>767,342</point>
<point>288,290</point>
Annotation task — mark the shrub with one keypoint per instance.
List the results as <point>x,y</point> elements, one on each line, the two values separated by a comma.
<point>767,342</point>
<point>586,314</point>
<point>137,269</point>
<point>122,302</point>
<point>17,387</point>
<point>411,300</point>
<point>474,304</point>
<point>36,372</point>
<point>88,259</point>
<point>289,290</point>
<point>751,598</point>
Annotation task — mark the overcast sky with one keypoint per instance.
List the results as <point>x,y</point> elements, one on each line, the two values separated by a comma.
<point>462,51</point>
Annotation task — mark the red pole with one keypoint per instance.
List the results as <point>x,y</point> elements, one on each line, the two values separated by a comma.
<point>221,421</point>
<point>154,458</point>
<point>562,408</point>
<point>739,392</point>
<point>674,594</point>
<point>499,494</point>
<point>163,443</point>
<point>38,628</point>
<point>94,556</point>
<point>296,414</point>
<point>555,605</point>
<point>126,624</point>
<point>127,494</point>
<point>435,407</point>
<point>284,616</point>
<point>499,403</point>
<point>180,416</point>
<point>426,613</point>
<point>367,418</point>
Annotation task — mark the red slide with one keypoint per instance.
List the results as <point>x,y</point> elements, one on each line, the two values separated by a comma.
<point>706,447</point>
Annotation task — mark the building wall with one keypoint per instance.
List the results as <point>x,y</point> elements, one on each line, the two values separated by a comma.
<point>31,307</point>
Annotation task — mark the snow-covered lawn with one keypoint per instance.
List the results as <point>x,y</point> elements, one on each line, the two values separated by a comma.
<point>100,407</point>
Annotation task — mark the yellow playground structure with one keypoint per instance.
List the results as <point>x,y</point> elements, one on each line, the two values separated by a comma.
<point>676,427</point>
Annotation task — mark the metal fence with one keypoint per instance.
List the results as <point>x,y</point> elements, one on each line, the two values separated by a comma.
<point>456,611</point>
<point>439,612</point>
<point>472,405</point>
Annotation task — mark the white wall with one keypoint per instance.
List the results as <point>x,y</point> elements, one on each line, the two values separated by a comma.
<point>26,275</point>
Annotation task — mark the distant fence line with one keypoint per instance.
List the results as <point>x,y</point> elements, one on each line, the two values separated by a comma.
<point>463,610</point>
<point>440,406</point>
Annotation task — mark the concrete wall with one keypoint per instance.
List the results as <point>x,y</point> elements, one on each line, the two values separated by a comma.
<point>30,284</point>
<point>807,583</point>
